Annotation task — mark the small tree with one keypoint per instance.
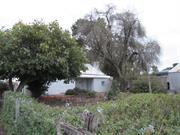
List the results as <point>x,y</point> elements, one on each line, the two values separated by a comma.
<point>37,51</point>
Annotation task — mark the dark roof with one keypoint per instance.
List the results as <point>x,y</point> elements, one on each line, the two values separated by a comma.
<point>164,72</point>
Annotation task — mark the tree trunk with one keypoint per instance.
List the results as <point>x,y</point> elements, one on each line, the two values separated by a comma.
<point>149,79</point>
<point>122,80</point>
<point>11,86</point>
<point>149,83</point>
<point>124,84</point>
<point>21,86</point>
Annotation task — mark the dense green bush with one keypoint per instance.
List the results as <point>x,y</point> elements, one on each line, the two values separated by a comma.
<point>114,91</point>
<point>140,85</point>
<point>80,92</point>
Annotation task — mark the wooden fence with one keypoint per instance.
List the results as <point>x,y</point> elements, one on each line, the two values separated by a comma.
<point>91,124</point>
<point>74,100</point>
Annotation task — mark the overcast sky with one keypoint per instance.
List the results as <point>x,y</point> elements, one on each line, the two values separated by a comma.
<point>161,18</point>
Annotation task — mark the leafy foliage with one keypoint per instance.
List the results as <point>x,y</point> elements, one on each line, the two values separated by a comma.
<point>134,114</point>
<point>39,51</point>
<point>114,91</point>
<point>141,85</point>
<point>80,92</point>
<point>118,41</point>
<point>34,118</point>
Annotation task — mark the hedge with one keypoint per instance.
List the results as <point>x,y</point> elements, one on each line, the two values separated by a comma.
<point>81,92</point>
<point>34,118</point>
<point>141,85</point>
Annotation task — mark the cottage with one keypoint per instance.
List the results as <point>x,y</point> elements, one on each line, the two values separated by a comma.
<point>92,79</point>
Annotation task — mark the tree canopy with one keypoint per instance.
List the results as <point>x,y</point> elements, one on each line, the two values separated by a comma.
<point>39,51</point>
<point>118,41</point>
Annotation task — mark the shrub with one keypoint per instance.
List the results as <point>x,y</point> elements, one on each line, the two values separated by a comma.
<point>141,85</point>
<point>71,92</point>
<point>114,91</point>
<point>80,92</point>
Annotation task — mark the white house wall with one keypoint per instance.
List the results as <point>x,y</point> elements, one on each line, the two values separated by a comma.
<point>60,87</point>
<point>85,84</point>
<point>95,84</point>
<point>174,81</point>
<point>101,85</point>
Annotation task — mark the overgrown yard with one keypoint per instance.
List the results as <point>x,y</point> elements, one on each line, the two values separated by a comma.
<point>134,114</point>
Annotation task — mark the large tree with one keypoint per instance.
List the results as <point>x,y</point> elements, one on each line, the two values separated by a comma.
<point>39,52</point>
<point>118,41</point>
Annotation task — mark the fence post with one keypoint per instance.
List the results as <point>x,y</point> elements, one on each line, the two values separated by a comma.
<point>70,130</point>
<point>17,108</point>
<point>91,122</point>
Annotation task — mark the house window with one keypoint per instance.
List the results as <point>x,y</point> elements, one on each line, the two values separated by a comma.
<point>102,83</point>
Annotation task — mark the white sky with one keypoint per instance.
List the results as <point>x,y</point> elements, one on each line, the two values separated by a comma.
<point>161,18</point>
